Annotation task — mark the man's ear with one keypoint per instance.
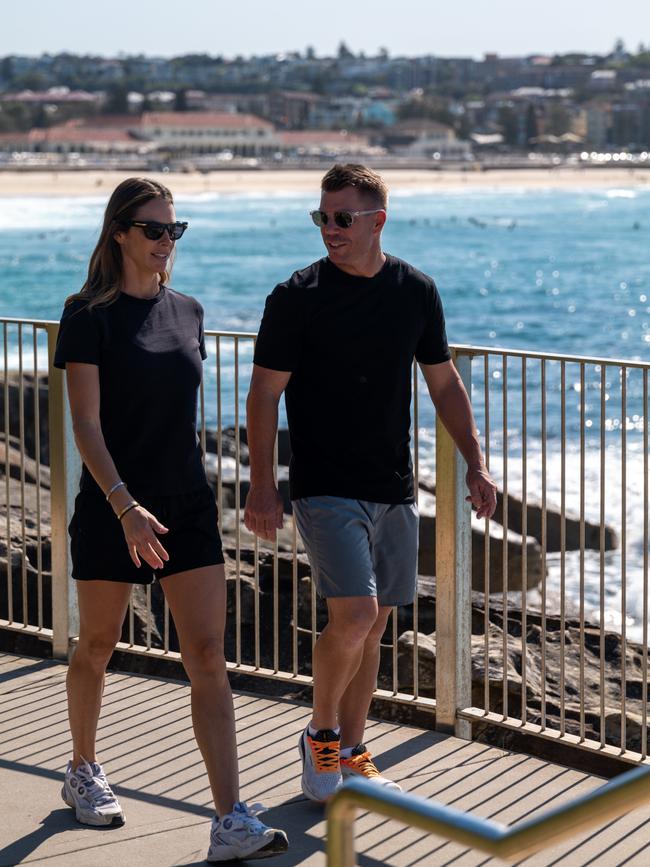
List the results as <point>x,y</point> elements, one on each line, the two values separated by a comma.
<point>380,220</point>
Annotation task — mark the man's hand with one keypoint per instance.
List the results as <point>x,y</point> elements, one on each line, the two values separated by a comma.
<point>482,491</point>
<point>263,512</point>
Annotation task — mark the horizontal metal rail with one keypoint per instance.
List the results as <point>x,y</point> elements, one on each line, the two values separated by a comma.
<point>624,793</point>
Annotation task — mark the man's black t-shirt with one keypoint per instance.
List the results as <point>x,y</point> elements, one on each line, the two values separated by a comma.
<point>149,353</point>
<point>349,343</point>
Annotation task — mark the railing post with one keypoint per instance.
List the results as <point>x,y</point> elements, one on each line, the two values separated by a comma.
<point>341,813</point>
<point>65,467</point>
<point>453,578</point>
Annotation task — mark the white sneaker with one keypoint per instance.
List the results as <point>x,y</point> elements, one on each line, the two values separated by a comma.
<point>240,834</point>
<point>321,769</point>
<point>88,792</point>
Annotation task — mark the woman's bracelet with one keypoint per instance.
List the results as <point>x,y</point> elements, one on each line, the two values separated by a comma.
<point>127,508</point>
<point>113,489</point>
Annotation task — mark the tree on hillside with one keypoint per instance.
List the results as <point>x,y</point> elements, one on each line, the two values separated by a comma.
<point>117,101</point>
<point>532,128</point>
<point>509,125</point>
<point>180,103</point>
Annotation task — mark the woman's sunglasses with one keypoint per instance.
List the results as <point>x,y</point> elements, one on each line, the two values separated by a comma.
<point>154,231</point>
<point>343,219</point>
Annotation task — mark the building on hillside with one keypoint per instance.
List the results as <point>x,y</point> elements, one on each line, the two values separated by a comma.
<point>180,133</point>
<point>330,144</point>
<point>425,139</point>
<point>75,137</point>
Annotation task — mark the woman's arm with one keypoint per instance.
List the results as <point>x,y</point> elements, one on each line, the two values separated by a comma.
<point>138,524</point>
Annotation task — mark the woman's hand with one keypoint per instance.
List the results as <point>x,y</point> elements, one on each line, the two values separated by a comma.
<point>140,528</point>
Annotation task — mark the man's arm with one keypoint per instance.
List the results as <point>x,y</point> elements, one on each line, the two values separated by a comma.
<point>453,406</point>
<point>263,511</point>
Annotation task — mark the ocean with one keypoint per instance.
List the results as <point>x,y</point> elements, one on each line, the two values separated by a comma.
<point>561,271</point>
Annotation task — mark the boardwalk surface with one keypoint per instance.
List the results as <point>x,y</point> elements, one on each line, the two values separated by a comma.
<point>148,749</point>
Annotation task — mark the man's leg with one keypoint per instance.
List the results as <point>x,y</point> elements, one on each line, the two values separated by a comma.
<point>355,702</point>
<point>339,654</point>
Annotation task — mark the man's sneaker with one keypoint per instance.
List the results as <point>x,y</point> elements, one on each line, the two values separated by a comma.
<point>240,834</point>
<point>360,764</point>
<point>321,770</point>
<point>88,792</point>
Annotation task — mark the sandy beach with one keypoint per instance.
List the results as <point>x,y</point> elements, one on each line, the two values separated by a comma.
<point>92,183</point>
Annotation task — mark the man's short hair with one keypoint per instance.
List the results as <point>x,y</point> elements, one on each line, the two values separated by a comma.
<point>368,183</point>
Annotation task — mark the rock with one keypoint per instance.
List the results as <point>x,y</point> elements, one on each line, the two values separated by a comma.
<point>28,389</point>
<point>228,444</point>
<point>10,456</point>
<point>551,692</point>
<point>427,555</point>
<point>534,514</point>
<point>633,729</point>
<point>553,522</point>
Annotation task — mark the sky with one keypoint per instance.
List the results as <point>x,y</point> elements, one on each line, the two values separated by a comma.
<point>404,27</point>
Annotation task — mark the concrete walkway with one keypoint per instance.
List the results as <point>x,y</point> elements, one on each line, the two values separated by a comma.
<point>149,752</point>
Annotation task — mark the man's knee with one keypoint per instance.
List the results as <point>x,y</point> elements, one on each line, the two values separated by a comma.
<point>353,617</point>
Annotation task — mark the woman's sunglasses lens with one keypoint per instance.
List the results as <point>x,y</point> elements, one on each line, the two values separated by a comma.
<point>178,231</point>
<point>153,233</point>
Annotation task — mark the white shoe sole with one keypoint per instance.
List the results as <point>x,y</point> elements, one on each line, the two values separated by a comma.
<point>275,846</point>
<point>98,821</point>
<point>389,784</point>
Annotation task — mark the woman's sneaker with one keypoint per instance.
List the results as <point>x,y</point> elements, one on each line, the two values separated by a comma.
<point>86,790</point>
<point>360,764</point>
<point>240,835</point>
<point>321,770</point>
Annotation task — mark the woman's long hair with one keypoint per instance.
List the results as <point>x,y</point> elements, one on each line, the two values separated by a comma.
<point>104,278</point>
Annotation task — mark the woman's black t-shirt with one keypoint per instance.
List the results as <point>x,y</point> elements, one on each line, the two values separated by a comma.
<point>149,353</point>
<point>349,343</point>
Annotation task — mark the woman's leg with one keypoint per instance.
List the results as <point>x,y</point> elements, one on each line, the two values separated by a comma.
<point>197,601</point>
<point>102,606</point>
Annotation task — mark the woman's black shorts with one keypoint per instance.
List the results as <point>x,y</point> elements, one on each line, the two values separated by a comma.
<point>99,550</point>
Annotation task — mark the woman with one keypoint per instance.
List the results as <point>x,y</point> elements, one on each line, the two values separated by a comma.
<point>132,349</point>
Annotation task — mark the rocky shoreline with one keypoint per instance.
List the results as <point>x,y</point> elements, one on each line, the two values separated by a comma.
<point>27,515</point>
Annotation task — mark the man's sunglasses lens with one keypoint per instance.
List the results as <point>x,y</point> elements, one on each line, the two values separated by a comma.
<point>343,219</point>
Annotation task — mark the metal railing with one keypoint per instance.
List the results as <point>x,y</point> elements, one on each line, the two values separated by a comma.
<point>515,602</point>
<point>625,793</point>
<point>572,434</point>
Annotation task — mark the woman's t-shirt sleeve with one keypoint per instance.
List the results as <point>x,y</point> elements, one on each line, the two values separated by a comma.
<point>432,346</point>
<point>79,338</point>
<point>202,348</point>
<point>279,341</point>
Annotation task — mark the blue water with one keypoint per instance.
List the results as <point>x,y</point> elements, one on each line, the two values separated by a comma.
<point>552,270</point>
<point>564,271</point>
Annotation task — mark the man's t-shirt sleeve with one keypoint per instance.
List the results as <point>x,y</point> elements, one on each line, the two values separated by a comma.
<point>79,338</point>
<point>432,347</point>
<point>279,341</point>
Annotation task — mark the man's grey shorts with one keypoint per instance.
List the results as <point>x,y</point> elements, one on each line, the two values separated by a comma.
<point>357,548</point>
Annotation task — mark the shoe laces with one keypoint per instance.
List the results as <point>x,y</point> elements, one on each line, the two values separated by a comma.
<point>245,816</point>
<point>326,757</point>
<point>363,763</point>
<point>95,785</point>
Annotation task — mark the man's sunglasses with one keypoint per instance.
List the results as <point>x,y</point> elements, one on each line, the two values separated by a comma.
<point>343,219</point>
<point>154,231</point>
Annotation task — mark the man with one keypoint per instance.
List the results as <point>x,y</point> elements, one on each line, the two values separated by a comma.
<point>339,337</point>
